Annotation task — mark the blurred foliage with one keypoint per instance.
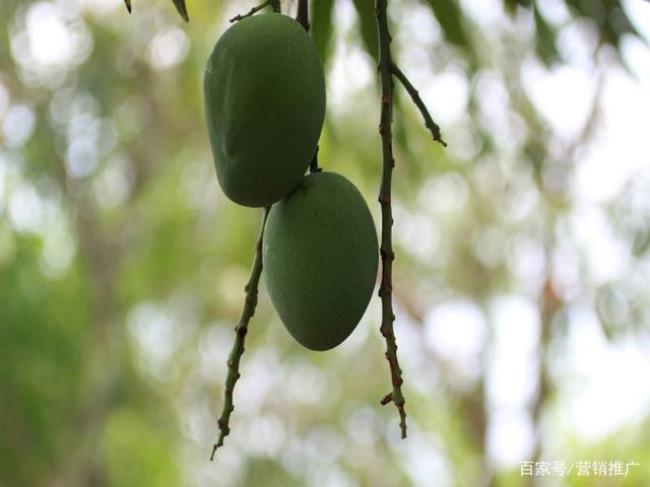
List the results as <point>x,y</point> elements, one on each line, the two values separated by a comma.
<point>122,265</point>
<point>321,27</point>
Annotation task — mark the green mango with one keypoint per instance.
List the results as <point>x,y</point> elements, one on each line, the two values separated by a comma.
<point>320,259</point>
<point>264,89</point>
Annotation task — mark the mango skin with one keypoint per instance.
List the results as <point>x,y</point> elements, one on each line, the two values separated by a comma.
<point>264,90</point>
<point>320,259</point>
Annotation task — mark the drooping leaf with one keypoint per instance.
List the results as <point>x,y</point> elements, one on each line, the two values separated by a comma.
<point>182,9</point>
<point>321,26</point>
<point>512,5</point>
<point>545,40</point>
<point>610,18</point>
<point>612,23</point>
<point>641,241</point>
<point>449,16</point>
<point>367,24</point>
<point>618,24</point>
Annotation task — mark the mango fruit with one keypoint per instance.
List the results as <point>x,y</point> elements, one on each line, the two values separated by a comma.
<point>264,91</point>
<point>320,256</point>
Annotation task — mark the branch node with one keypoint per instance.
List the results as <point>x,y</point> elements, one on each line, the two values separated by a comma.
<point>387,254</point>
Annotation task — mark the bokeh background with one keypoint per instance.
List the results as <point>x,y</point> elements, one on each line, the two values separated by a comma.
<point>521,280</point>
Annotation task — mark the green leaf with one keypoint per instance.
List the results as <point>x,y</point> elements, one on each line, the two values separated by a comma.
<point>450,19</point>
<point>612,22</point>
<point>180,6</point>
<point>512,5</point>
<point>641,241</point>
<point>367,23</point>
<point>322,27</point>
<point>545,40</point>
<point>610,18</point>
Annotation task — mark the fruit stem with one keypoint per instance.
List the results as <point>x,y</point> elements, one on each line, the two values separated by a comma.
<point>303,14</point>
<point>240,335</point>
<point>386,248</point>
<point>313,165</point>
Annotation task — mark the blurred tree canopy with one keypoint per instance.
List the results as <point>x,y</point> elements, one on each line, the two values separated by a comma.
<point>122,265</point>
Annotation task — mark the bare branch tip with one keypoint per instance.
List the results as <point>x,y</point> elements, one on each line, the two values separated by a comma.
<point>214,451</point>
<point>386,399</point>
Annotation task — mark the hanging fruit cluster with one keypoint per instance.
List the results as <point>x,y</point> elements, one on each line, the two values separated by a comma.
<point>264,92</point>
<point>265,104</point>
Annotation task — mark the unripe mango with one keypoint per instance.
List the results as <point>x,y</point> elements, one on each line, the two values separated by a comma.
<point>320,259</point>
<point>264,90</point>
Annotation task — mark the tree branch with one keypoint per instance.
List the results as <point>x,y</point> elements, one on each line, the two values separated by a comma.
<point>252,11</point>
<point>415,96</point>
<point>238,347</point>
<point>386,248</point>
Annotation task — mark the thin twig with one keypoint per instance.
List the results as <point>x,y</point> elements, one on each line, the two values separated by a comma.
<point>415,96</point>
<point>386,248</point>
<point>303,14</point>
<point>238,347</point>
<point>252,11</point>
<point>128,5</point>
